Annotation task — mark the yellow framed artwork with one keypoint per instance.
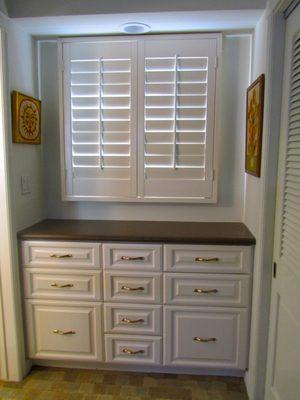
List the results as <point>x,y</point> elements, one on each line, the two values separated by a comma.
<point>254,125</point>
<point>26,119</point>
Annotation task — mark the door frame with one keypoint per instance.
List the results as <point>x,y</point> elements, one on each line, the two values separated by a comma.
<point>285,7</point>
<point>255,376</point>
<point>12,357</point>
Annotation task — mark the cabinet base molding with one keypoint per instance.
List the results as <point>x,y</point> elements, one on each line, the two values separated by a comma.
<point>139,368</point>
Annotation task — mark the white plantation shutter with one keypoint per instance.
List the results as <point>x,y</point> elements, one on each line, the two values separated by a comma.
<point>138,118</point>
<point>179,79</point>
<point>290,239</point>
<point>99,118</point>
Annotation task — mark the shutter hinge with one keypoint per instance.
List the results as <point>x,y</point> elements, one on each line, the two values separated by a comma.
<point>274,270</point>
<point>216,62</point>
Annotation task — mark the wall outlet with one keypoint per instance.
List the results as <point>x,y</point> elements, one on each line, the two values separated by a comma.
<point>25,184</point>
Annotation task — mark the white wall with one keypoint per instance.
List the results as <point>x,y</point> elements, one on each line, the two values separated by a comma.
<point>236,64</point>
<point>24,210</point>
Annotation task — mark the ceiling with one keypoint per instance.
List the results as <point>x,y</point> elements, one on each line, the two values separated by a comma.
<point>38,8</point>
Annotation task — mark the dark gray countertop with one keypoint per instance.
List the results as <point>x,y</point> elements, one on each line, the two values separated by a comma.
<point>227,233</point>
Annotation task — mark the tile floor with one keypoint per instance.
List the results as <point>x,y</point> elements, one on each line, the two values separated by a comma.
<point>70,384</point>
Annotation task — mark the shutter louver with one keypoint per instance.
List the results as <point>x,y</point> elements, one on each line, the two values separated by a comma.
<point>290,237</point>
<point>179,118</point>
<point>98,79</point>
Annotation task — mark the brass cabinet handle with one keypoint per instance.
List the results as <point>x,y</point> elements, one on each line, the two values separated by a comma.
<point>132,352</point>
<point>131,258</point>
<point>205,291</point>
<point>130,289</point>
<point>209,259</point>
<point>59,332</point>
<point>61,255</point>
<point>205,340</point>
<point>132,321</point>
<point>57,285</point>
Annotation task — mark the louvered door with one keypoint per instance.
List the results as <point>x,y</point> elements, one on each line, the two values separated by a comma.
<point>99,118</point>
<point>177,119</point>
<point>283,372</point>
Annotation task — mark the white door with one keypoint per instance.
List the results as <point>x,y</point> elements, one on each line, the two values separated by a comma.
<point>283,369</point>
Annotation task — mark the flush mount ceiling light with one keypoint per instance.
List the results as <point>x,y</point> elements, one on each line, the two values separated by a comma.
<point>135,28</point>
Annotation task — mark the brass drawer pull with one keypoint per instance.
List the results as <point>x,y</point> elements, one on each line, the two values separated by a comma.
<point>131,258</point>
<point>132,352</point>
<point>210,259</point>
<point>59,332</point>
<point>57,285</point>
<point>205,291</point>
<point>132,321</point>
<point>204,340</point>
<point>61,255</point>
<point>130,289</point>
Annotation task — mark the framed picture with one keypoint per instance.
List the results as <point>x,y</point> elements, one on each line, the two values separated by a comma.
<point>254,125</point>
<point>26,119</point>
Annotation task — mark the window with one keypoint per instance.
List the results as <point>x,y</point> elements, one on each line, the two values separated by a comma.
<point>139,118</point>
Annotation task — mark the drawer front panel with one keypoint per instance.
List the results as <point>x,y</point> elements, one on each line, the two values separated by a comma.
<point>64,331</point>
<point>62,284</point>
<point>133,349</point>
<point>206,337</point>
<point>61,254</point>
<point>207,289</point>
<point>133,319</point>
<point>210,259</point>
<point>132,287</point>
<point>142,257</point>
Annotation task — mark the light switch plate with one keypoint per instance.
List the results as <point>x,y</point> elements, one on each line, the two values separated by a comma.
<point>25,184</point>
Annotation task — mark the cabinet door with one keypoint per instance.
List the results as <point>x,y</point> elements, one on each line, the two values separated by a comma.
<point>133,349</point>
<point>61,254</point>
<point>210,259</point>
<point>132,287</point>
<point>133,319</point>
<point>224,290</point>
<point>130,256</point>
<point>64,330</point>
<point>206,337</point>
<point>40,283</point>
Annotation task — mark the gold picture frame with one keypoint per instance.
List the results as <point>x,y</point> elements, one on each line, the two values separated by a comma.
<point>26,119</point>
<point>254,125</point>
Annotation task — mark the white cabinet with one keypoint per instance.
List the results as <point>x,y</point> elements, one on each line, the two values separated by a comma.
<point>133,350</point>
<point>152,304</point>
<point>64,330</point>
<point>139,257</point>
<point>206,337</point>
<point>133,319</point>
<point>210,259</point>
<point>61,254</point>
<point>207,289</point>
<point>63,284</point>
<point>133,287</point>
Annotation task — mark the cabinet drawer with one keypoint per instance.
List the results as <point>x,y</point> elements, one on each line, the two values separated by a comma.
<point>215,259</point>
<point>206,337</point>
<point>64,330</point>
<point>133,349</point>
<point>207,289</point>
<point>61,254</point>
<point>133,319</point>
<point>62,284</point>
<point>142,257</point>
<point>132,287</point>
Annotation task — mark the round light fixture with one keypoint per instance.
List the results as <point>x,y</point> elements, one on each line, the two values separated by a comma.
<point>135,28</point>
